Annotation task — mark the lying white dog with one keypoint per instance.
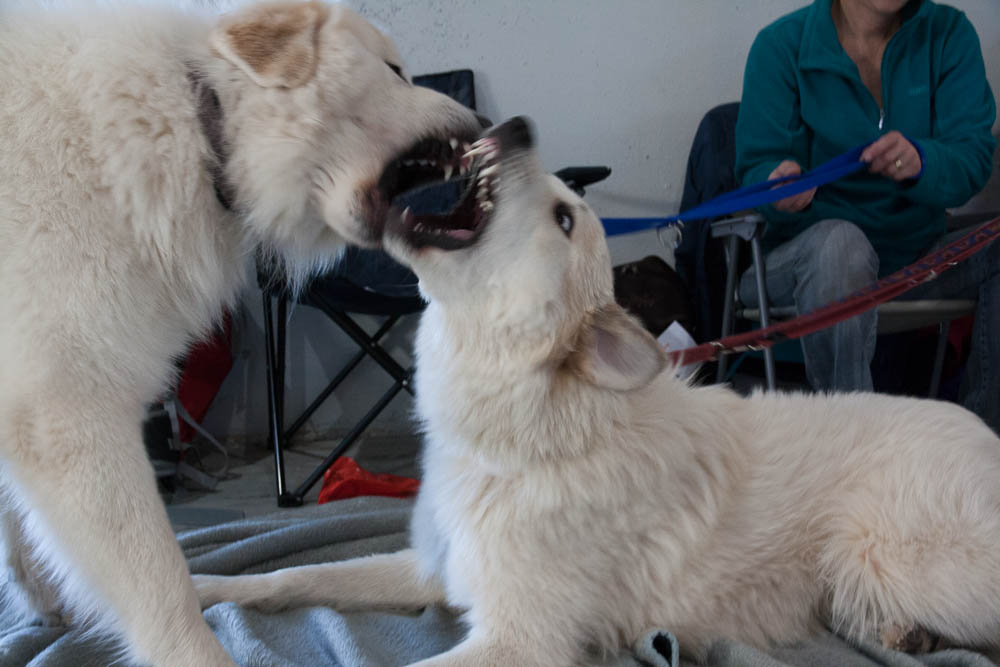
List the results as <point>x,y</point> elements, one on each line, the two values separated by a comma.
<point>576,493</point>
<point>144,153</point>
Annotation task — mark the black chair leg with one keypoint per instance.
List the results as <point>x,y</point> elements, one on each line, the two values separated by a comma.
<point>729,303</point>
<point>765,306</point>
<point>279,375</point>
<point>274,428</point>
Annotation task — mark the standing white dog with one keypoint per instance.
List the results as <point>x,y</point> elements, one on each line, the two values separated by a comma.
<point>143,154</point>
<point>576,493</point>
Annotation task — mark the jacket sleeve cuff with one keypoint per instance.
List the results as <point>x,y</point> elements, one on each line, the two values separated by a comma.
<point>923,158</point>
<point>922,188</point>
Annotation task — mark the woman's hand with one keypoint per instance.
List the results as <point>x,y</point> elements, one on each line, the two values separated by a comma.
<point>893,156</point>
<point>795,203</point>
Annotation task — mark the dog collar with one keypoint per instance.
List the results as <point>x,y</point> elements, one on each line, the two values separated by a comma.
<point>211,119</point>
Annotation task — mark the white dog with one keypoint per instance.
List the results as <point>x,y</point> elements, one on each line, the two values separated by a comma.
<point>144,153</point>
<point>576,493</point>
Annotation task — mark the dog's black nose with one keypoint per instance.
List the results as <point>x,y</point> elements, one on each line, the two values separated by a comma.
<point>514,133</point>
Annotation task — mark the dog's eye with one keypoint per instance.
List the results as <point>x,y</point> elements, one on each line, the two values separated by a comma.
<point>397,69</point>
<point>563,217</point>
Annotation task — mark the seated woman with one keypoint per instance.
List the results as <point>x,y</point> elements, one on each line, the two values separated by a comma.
<point>908,76</point>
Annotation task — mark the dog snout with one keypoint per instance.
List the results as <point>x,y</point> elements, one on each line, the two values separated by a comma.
<point>514,133</point>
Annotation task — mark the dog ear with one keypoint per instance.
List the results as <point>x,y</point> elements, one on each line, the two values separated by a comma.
<point>615,352</point>
<point>274,44</point>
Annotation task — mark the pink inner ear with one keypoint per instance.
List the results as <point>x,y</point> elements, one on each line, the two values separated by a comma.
<point>607,350</point>
<point>613,352</point>
<point>623,359</point>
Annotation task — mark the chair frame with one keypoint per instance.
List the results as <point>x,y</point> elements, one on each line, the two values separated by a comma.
<point>279,436</point>
<point>750,229</point>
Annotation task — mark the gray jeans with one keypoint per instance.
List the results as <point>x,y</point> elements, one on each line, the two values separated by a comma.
<point>833,258</point>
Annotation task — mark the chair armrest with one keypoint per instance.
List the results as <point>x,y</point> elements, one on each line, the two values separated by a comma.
<point>577,178</point>
<point>745,226</point>
<point>963,220</point>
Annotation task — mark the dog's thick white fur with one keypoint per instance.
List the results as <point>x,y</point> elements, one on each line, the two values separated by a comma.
<point>115,251</point>
<point>576,493</point>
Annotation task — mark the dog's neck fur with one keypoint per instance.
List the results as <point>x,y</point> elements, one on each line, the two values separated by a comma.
<point>510,402</point>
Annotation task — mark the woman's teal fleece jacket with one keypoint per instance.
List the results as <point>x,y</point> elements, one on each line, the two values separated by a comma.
<point>804,100</point>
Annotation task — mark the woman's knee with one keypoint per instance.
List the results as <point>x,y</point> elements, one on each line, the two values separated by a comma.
<point>842,244</point>
<point>840,260</point>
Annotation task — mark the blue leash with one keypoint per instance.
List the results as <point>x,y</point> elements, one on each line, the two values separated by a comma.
<point>747,197</point>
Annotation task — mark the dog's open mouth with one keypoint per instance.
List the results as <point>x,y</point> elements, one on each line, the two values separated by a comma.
<point>452,213</point>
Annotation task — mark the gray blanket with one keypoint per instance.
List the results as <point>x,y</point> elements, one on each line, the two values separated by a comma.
<point>322,637</point>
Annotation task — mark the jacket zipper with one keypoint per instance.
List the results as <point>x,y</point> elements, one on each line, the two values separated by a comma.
<point>885,101</point>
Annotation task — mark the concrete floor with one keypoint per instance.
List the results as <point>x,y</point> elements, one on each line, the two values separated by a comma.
<point>249,488</point>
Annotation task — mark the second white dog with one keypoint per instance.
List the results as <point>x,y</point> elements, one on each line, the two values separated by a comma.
<point>575,493</point>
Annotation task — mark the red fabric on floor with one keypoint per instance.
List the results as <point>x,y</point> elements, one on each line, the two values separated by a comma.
<point>346,479</point>
<point>205,368</point>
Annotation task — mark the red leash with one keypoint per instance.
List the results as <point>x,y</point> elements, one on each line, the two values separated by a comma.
<point>879,292</point>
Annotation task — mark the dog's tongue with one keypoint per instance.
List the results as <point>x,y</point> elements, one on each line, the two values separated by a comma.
<point>433,199</point>
<point>460,234</point>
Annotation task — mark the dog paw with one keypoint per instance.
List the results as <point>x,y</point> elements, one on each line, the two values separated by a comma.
<point>912,639</point>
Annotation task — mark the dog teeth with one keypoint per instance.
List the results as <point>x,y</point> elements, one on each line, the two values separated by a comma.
<point>486,171</point>
<point>447,171</point>
<point>453,142</point>
<point>482,147</point>
<point>486,205</point>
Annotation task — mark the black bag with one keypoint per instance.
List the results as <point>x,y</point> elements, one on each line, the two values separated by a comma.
<point>655,293</point>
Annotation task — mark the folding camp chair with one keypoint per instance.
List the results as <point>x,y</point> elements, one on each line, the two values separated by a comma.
<point>710,173</point>
<point>893,317</point>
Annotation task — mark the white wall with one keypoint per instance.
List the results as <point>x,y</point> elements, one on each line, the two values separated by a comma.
<point>617,83</point>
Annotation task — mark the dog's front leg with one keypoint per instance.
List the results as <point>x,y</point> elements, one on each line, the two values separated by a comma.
<point>382,581</point>
<point>77,466</point>
<point>30,591</point>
